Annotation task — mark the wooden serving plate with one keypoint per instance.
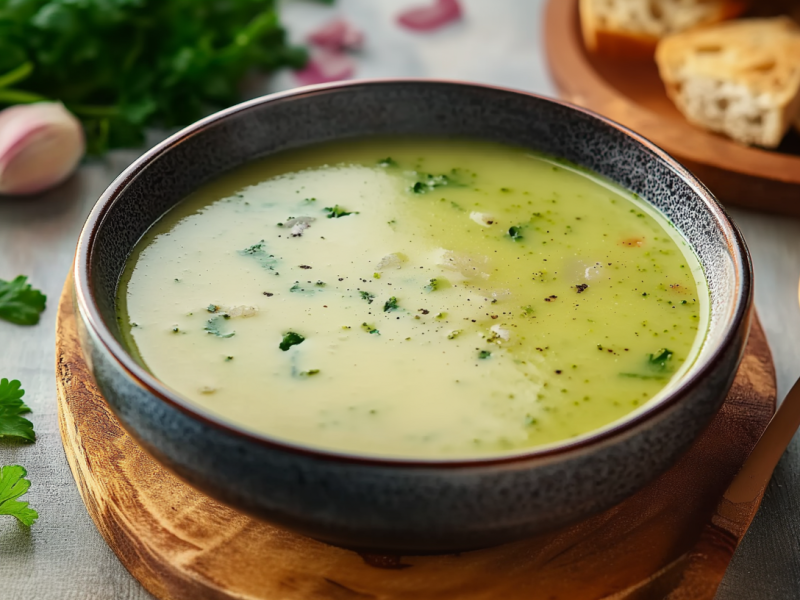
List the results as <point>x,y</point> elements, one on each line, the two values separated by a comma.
<point>631,93</point>
<point>670,540</point>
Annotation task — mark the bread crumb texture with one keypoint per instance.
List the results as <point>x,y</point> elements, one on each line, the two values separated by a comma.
<point>622,27</point>
<point>740,78</point>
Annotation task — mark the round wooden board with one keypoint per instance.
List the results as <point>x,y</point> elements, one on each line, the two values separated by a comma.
<point>182,545</point>
<point>631,93</point>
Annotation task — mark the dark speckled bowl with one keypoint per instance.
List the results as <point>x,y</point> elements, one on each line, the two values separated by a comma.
<point>389,504</point>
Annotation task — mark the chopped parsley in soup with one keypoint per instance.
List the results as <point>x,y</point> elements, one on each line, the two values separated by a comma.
<point>414,298</point>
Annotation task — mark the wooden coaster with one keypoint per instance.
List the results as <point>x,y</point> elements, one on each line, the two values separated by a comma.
<point>182,545</point>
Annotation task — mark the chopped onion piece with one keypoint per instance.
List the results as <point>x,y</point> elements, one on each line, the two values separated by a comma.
<point>326,66</point>
<point>338,34</point>
<point>428,18</point>
<point>483,219</point>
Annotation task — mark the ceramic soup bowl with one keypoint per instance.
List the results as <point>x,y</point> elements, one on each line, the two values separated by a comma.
<point>396,505</point>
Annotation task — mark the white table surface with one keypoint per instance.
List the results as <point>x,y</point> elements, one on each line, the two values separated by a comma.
<point>62,557</point>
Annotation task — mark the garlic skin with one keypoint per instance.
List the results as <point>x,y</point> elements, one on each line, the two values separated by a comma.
<point>40,146</point>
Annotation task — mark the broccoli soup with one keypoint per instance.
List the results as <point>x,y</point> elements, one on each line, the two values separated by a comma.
<point>414,298</point>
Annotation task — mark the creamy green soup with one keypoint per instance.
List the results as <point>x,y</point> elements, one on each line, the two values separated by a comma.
<point>414,298</point>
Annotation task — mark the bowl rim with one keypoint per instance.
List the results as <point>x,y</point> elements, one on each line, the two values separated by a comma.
<point>692,379</point>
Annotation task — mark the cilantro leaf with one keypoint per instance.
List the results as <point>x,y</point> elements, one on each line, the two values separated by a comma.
<point>19,302</point>
<point>13,485</point>
<point>11,407</point>
<point>290,338</point>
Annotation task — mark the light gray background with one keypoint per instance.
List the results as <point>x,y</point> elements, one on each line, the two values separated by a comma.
<point>63,557</point>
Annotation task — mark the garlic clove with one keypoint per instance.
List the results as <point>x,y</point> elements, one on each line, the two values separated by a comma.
<point>40,146</point>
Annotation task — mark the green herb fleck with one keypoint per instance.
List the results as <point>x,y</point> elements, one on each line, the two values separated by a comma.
<point>366,296</point>
<point>213,326</point>
<point>387,162</point>
<point>390,305</point>
<point>259,252</point>
<point>13,485</point>
<point>290,339</point>
<point>337,212</point>
<point>376,275</point>
<point>660,361</point>
<point>515,232</point>
<point>429,183</point>
<point>298,288</point>
<point>310,200</point>
<point>432,286</point>
<point>12,424</point>
<point>309,373</point>
<point>19,302</point>
<point>212,308</point>
<point>370,329</point>
<point>484,354</point>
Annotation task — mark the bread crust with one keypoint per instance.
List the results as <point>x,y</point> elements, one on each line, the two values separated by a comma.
<point>603,39</point>
<point>740,78</point>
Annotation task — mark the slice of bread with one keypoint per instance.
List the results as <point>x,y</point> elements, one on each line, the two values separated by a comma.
<point>740,78</point>
<point>633,28</point>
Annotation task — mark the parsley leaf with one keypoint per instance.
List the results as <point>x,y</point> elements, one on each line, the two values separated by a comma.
<point>390,305</point>
<point>366,296</point>
<point>13,485</point>
<point>19,302</point>
<point>290,338</point>
<point>515,232</point>
<point>123,65</point>
<point>337,212</point>
<point>484,354</point>
<point>11,407</point>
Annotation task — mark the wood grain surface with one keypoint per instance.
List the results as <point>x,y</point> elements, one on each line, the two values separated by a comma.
<point>182,545</point>
<point>631,93</point>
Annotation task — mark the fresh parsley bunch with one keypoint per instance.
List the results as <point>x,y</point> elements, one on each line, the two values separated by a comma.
<point>12,477</point>
<point>122,65</point>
